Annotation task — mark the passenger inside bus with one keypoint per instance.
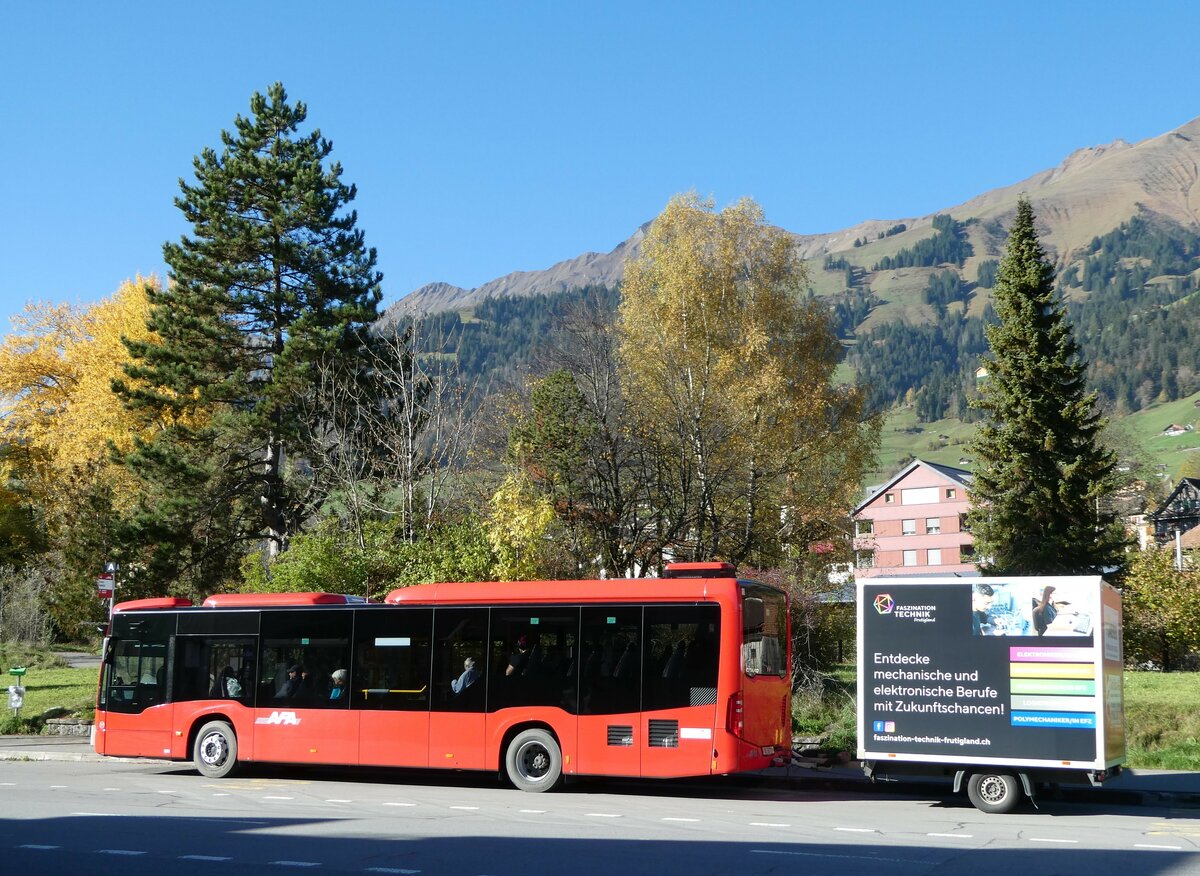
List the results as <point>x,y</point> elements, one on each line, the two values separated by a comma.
<point>468,677</point>
<point>338,692</point>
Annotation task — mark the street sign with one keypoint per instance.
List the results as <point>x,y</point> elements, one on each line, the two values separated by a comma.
<point>17,670</point>
<point>111,568</point>
<point>104,586</point>
<point>16,696</point>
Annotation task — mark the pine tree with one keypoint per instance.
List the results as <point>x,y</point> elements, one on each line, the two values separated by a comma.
<point>273,283</point>
<point>1043,476</point>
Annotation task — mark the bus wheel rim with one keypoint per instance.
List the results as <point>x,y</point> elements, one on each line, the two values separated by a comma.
<point>534,760</point>
<point>214,749</point>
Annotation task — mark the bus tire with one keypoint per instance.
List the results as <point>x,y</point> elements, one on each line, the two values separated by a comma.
<point>215,750</point>
<point>994,793</point>
<point>533,761</point>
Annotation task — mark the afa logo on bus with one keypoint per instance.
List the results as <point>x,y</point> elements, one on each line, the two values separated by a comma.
<point>279,718</point>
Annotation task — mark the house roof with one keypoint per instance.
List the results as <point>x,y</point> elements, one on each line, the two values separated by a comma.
<point>957,475</point>
<point>1193,483</point>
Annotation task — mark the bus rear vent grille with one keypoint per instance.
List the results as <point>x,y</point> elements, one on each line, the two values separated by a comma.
<point>664,734</point>
<point>620,734</point>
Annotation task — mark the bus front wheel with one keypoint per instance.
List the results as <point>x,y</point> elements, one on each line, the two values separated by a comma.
<point>994,792</point>
<point>533,760</point>
<point>215,751</point>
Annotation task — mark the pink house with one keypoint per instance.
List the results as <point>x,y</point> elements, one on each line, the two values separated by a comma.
<point>914,524</point>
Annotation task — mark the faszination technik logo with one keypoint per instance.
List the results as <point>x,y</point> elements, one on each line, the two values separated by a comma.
<point>884,603</point>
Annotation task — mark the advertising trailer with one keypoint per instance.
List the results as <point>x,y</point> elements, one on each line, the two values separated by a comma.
<point>1000,684</point>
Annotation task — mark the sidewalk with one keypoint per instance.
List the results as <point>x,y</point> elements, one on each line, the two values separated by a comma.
<point>1149,787</point>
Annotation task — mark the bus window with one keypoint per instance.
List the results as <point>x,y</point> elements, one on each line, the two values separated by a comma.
<point>301,649</point>
<point>534,657</point>
<point>136,673</point>
<point>764,632</point>
<point>391,659</point>
<point>214,667</point>
<point>460,634</point>
<point>682,648</point>
<point>610,680</point>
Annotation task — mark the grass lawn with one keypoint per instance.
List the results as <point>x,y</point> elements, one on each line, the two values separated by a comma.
<point>1162,717</point>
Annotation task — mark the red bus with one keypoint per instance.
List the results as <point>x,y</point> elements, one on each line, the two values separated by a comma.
<point>686,675</point>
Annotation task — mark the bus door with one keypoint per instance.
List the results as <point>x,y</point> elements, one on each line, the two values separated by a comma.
<point>137,718</point>
<point>302,712</point>
<point>458,688</point>
<point>766,679</point>
<point>679,688</point>
<point>611,732</point>
<point>390,685</point>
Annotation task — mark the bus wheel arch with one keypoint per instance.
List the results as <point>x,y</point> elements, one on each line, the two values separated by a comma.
<point>532,758</point>
<point>214,747</point>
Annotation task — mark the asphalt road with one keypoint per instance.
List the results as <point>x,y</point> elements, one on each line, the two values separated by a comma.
<point>114,817</point>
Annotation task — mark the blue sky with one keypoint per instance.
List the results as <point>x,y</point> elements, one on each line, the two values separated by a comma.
<point>491,137</point>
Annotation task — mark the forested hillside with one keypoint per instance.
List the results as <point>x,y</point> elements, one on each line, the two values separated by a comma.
<point>1131,297</point>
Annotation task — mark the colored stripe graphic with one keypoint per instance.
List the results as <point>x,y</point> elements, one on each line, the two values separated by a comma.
<point>1055,720</point>
<point>1064,687</point>
<point>1027,654</point>
<point>1021,703</point>
<point>1052,670</point>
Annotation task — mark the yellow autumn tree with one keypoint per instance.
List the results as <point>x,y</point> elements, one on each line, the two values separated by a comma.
<point>56,373</point>
<point>518,523</point>
<point>729,365</point>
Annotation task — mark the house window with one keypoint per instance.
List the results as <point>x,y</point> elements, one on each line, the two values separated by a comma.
<point>962,523</point>
<point>910,558</point>
<point>909,527</point>
<point>935,556</point>
<point>951,493</point>
<point>864,527</point>
<point>933,525</point>
<point>966,552</point>
<point>889,498</point>
<point>864,559</point>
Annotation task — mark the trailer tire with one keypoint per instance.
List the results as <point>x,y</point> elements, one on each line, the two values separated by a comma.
<point>994,793</point>
<point>215,750</point>
<point>533,760</point>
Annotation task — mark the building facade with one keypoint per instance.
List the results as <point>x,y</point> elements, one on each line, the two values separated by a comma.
<point>915,524</point>
<point>1179,513</point>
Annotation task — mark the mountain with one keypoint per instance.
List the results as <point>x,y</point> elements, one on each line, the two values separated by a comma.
<point>1091,192</point>
<point>910,296</point>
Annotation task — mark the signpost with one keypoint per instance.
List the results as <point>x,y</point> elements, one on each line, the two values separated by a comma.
<point>106,585</point>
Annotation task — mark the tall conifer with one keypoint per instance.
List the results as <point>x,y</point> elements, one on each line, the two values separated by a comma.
<point>273,280</point>
<point>1043,476</point>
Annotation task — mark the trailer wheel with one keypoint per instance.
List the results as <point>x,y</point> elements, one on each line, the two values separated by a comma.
<point>995,793</point>
<point>533,760</point>
<point>215,751</point>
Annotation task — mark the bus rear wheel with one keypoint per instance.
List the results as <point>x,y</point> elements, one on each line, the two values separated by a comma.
<point>995,793</point>
<point>215,751</point>
<point>533,761</point>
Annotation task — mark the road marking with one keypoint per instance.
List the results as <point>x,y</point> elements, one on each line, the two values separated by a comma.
<point>953,835</point>
<point>1042,839</point>
<point>39,848</point>
<point>112,789</point>
<point>471,808</point>
<point>126,852</point>
<point>166,792</point>
<point>820,855</point>
<point>203,858</point>
<point>399,804</point>
<point>768,824</point>
<point>602,815</point>
<point>278,798</point>
<point>220,795</point>
<point>339,801</point>
<point>533,811</point>
<point>54,787</point>
<point>1135,845</point>
<point>681,819</point>
<point>857,829</point>
<point>9,784</point>
<point>296,863</point>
